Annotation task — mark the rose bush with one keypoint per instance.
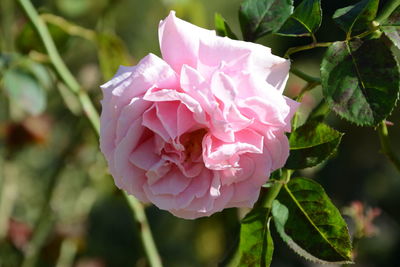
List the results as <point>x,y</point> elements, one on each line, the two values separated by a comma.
<point>202,128</point>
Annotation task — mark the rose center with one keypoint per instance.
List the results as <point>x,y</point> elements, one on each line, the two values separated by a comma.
<point>193,144</point>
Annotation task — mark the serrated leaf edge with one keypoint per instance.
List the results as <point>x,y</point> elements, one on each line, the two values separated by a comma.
<point>299,250</point>
<point>310,32</point>
<point>354,122</point>
<point>308,217</point>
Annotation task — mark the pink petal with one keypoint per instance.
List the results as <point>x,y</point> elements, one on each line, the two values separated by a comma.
<point>186,122</point>
<point>125,174</point>
<point>278,74</point>
<point>167,113</point>
<point>172,183</point>
<point>128,83</point>
<point>129,114</point>
<point>219,155</point>
<point>198,187</point>
<point>143,156</point>
<point>159,95</point>
<point>193,83</point>
<point>247,192</point>
<point>277,145</point>
<point>179,41</point>
<point>151,121</point>
<point>293,106</point>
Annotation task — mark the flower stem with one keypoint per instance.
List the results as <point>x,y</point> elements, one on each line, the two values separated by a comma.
<point>305,76</point>
<point>59,64</point>
<point>92,115</point>
<point>145,232</point>
<point>387,10</point>
<point>296,49</point>
<point>386,146</point>
<point>274,190</point>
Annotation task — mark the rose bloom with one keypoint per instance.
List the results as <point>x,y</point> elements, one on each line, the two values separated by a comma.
<point>201,128</point>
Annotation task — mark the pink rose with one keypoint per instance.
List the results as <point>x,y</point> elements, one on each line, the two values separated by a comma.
<point>202,128</point>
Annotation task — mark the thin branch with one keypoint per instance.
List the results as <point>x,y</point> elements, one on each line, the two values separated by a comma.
<point>69,27</point>
<point>305,76</point>
<point>92,115</point>
<point>386,146</point>
<point>58,63</point>
<point>296,49</point>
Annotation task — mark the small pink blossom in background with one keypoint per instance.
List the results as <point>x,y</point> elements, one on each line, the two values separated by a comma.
<point>363,217</point>
<point>201,128</point>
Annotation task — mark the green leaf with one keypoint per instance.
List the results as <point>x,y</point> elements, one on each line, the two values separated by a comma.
<point>222,28</point>
<point>360,80</point>
<point>311,144</point>
<point>27,39</point>
<point>305,20</point>
<point>356,17</point>
<point>112,53</point>
<point>24,90</point>
<point>41,73</point>
<point>391,27</point>
<point>256,245</point>
<point>260,17</point>
<point>310,224</point>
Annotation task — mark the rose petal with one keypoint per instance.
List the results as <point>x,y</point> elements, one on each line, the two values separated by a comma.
<point>176,48</point>
<point>218,155</point>
<point>172,183</point>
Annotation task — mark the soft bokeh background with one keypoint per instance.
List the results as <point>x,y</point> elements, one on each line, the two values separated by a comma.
<point>54,179</point>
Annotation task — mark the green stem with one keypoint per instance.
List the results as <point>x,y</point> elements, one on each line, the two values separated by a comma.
<point>309,86</point>
<point>7,23</point>
<point>386,146</point>
<point>58,63</point>
<point>296,49</point>
<point>274,190</point>
<point>374,27</point>
<point>305,76</point>
<point>145,233</point>
<point>92,115</point>
<point>68,252</point>
<point>68,27</point>
<point>387,10</point>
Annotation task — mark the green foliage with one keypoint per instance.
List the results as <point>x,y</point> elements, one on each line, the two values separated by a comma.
<point>25,82</point>
<point>356,17</point>
<point>24,90</point>
<point>391,27</point>
<point>310,224</point>
<point>27,39</point>
<point>305,20</point>
<point>311,144</point>
<point>256,245</point>
<point>360,80</point>
<point>112,53</point>
<point>222,28</point>
<point>260,17</point>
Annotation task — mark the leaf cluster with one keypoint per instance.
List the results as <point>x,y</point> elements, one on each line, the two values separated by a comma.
<point>360,81</point>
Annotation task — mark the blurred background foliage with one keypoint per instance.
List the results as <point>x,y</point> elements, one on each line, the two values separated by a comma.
<point>59,207</point>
